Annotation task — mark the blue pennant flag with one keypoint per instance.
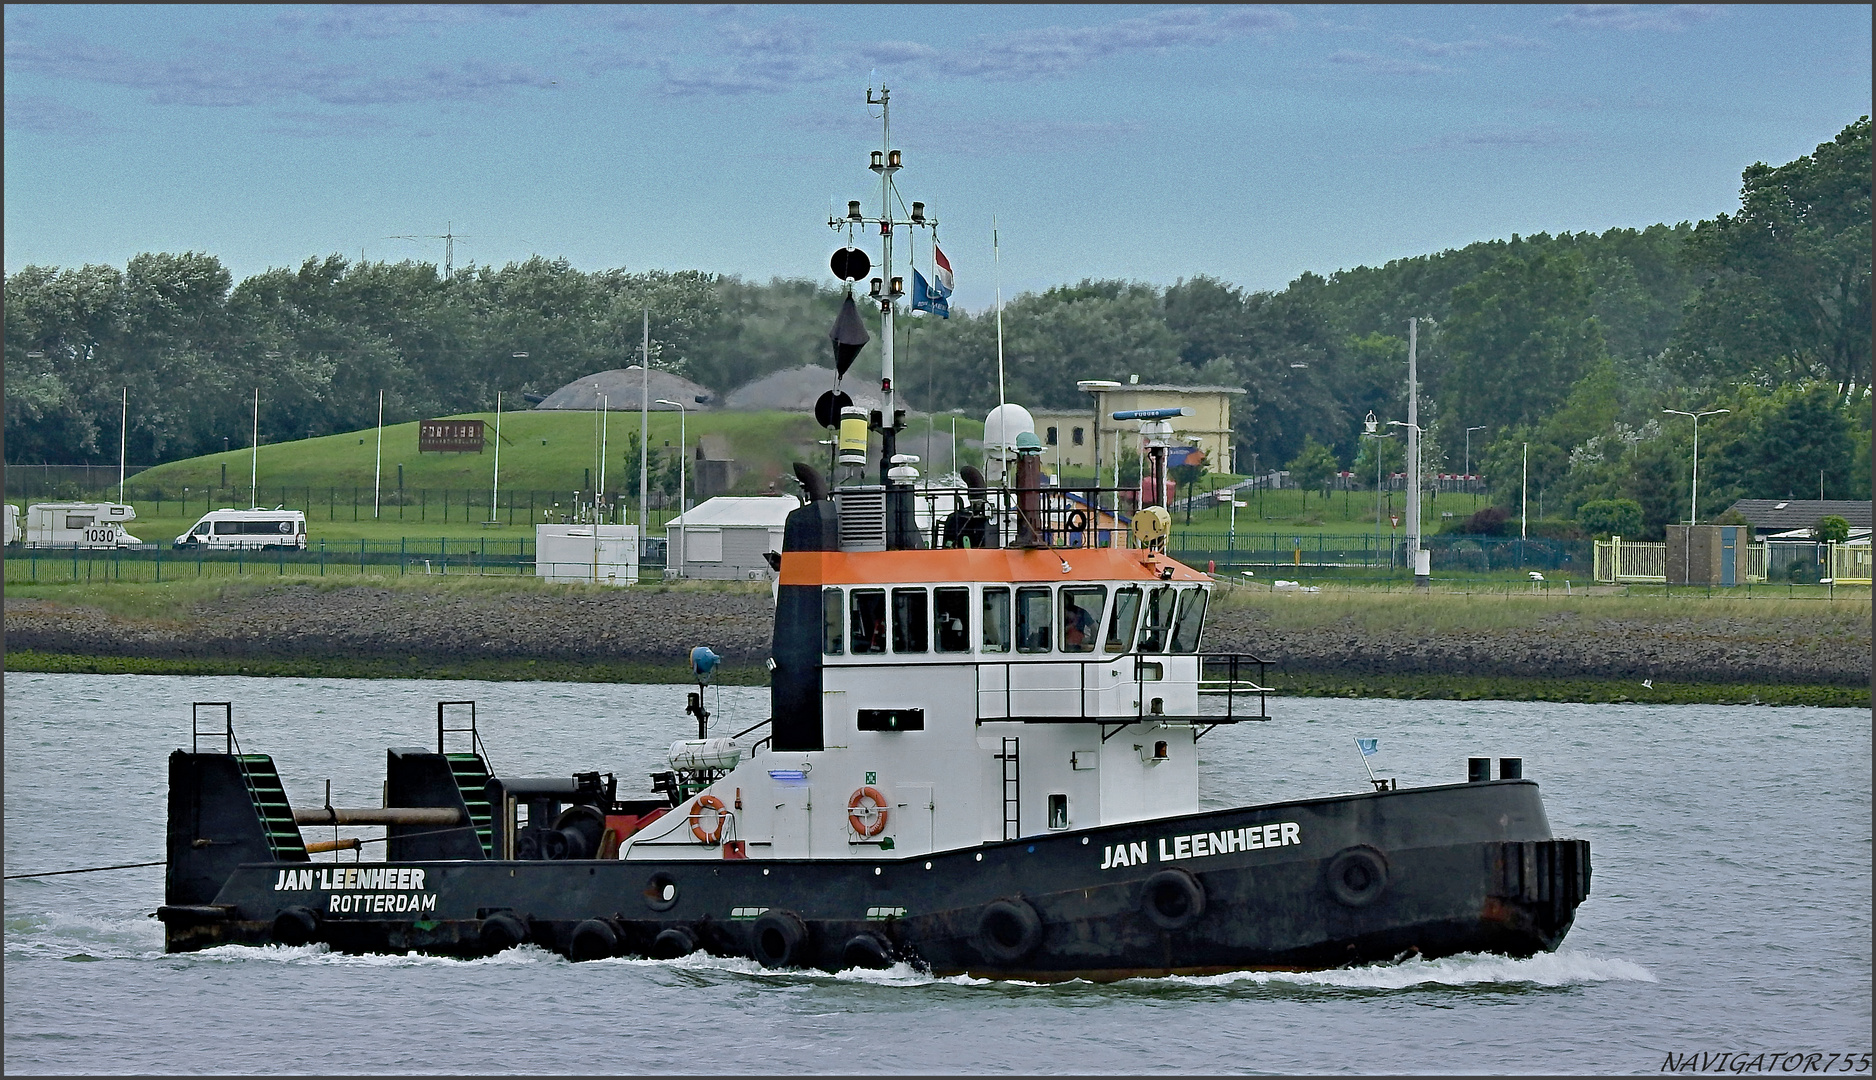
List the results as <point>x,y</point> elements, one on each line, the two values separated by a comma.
<point>926,298</point>
<point>1368,746</point>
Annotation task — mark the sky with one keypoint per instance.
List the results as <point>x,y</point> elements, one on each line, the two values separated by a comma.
<point>1152,143</point>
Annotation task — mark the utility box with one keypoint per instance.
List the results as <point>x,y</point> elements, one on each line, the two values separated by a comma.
<point>1706,554</point>
<point>590,554</point>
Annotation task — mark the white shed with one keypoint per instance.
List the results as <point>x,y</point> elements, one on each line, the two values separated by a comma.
<point>593,554</point>
<point>727,537</point>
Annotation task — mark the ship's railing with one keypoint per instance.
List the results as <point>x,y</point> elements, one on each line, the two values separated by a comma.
<point>1221,674</point>
<point>1057,517</point>
<point>1093,690</point>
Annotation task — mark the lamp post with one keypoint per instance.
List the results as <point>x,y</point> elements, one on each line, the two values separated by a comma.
<point>683,451</point>
<point>1693,503</point>
<point>1469,432</point>
<point>1371,429</point>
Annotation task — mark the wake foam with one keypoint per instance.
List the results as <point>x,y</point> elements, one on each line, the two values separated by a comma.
<point>1465,969</point>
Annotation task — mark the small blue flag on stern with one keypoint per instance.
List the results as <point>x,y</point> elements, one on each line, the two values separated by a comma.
<point>1368,746</point>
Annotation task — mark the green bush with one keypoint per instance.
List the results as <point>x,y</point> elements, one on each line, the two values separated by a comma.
<point>1830,529</point>
<point>1603,518</point>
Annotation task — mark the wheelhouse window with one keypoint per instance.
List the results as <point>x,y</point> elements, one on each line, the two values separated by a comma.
<point>996,638</point>
<point>1185,638</point>
<point>1126,617</point>
<point>1159,619</point>
<point>833,622</point>
<point>866,610</point>
<point>1082,607</point>
<point>1034,620</point>
<point>952,608</point>
<point>911,620</point>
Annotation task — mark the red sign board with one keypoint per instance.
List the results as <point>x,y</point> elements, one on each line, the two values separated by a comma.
<point>449,436</point>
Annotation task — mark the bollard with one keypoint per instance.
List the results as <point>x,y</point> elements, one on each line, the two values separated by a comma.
<point>1510,768</point>
<point>1478,770</point>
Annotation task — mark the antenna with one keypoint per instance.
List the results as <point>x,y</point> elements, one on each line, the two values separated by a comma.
<point>449,236</point>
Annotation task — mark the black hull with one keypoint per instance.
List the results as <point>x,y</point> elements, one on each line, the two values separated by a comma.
<point>1363,878</point>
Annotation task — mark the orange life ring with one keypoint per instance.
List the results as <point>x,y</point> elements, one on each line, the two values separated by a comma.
<point>696,820</point>
<point>867,820</point>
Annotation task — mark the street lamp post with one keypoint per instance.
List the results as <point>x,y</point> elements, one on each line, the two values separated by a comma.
<point>1371,429</point>
<point>683,451</point>
<point>1469,481</point>
<point>1693,504</point>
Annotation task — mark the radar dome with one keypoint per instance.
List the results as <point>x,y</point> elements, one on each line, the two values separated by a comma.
<point>1001,428</point>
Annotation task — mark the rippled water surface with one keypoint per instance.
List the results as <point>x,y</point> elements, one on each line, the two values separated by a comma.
<point>1730,908</point>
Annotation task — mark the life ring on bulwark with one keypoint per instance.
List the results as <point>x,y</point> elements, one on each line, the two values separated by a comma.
<point>866,811</point>
<point>715,805</point>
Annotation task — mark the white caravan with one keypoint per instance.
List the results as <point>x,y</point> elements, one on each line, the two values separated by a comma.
<point>224,530</point>
<point>13,525</point>
<point>76,524</point>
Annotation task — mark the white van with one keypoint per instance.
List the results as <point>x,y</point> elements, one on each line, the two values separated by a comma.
<point>76,524</point>
<point>225,530</point>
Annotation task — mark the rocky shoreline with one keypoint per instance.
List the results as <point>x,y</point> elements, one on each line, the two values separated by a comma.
<point>655,628</point>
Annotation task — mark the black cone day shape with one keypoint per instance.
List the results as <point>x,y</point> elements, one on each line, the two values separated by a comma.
<point>848,335</point>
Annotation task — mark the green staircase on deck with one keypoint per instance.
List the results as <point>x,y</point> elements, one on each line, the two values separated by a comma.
<point>270,803</point>
<point>472,778</point>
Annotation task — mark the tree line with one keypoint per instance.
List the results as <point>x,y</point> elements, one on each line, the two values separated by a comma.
<point>1552,354</point>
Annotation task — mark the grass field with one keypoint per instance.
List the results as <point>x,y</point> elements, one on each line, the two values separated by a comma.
<point>546,457</point>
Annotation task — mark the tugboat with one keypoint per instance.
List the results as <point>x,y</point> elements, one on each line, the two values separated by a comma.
<point>982,757</point>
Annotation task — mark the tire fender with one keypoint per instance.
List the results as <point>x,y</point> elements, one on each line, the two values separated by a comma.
<point>1008,930</point>
<point>1357,876</point>
<point>779,939</point>
<point>1172,899</point>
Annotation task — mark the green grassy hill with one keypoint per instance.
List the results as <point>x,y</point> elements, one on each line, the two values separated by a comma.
<point>546,456</point>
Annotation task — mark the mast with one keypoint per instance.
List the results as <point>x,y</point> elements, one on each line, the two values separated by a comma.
<point>886,291</point>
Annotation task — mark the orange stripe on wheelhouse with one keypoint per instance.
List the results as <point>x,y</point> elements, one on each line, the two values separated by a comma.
<point>979,564</point>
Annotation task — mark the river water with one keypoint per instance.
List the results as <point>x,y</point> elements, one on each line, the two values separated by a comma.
<point>1730,911</point>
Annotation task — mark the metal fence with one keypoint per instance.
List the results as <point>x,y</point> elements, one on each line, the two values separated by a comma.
<point>412,506</point>
<point>1449,554</point>
<point>322,558</point>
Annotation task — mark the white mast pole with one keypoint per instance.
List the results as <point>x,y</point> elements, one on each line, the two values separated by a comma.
<point>1413,440</point>
<point>495,491</point>
<point>377,468</point>
<point>123,431</point>
<point>996,256</point>
<point>254,458</point>
<point>644,432</point>
<point>886,305</point>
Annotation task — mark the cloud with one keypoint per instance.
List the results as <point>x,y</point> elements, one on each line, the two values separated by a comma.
<point>1671,18</point>
<point>1638,100</point>
<point>240,77</point>
<point>773,57</point>
<point>1384,65</point>
<point>1542,136</point>
<point>46,116</point>
<point>1461,48</point>
<point>380,22</point>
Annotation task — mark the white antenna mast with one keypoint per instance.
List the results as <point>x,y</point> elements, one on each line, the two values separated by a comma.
<point>996,255</point>
<point>123,433</point>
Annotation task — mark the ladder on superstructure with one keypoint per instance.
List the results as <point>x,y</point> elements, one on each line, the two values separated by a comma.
<point>1012,788</point>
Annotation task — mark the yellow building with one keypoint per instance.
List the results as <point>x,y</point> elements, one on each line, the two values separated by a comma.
<point>1067,443</point>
